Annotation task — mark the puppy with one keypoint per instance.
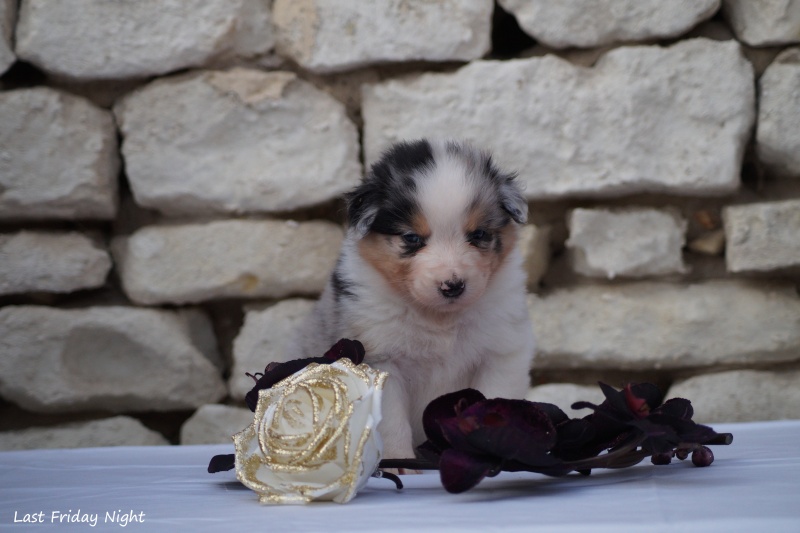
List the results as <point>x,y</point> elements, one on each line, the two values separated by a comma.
<point>430,280</point>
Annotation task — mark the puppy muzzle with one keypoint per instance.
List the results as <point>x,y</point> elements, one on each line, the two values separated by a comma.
<point>452,288</point>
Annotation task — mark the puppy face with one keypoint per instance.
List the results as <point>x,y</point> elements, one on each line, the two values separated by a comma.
<point>436,221</point>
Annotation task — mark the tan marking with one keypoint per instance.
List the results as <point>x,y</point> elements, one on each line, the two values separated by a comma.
<point>510,236</point>
<point>419,225</point>
<point>379,252</point>
<point>475,217</point>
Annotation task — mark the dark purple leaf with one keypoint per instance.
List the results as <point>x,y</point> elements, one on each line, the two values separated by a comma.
<point>659,438</point>
<point>573,437</point>
<point>615,400</point>
<point>677,407</point>
<point>221,463</point>
<point>353,350</point>
<point>544,463</point>
<point>460,471</point>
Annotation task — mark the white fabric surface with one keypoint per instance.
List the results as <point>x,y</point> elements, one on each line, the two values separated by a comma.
<point>753,486</point>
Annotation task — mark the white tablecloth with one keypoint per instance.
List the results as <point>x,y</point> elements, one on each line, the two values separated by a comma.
<point>753,486</point>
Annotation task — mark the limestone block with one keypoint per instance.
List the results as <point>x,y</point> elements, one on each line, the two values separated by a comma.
<point>242,141</point>
<point>742,395</point>
<point>263,339</point>
<point>115,431</point>
<point>778,134</point>
<point>226,259</point>
<point>38,261</point>
<point>632,242</point>
<point>198,327</point>
<point>58,157</point>
<point>643,119</point>
<point>8,15</point>
<point>565,394</point>
<point>591,23</point>
<point>656,325</point>
<point>764,22</point>
<point>98,39</point>
<point>763,236</point>
<point>534,241</point>
<point>331,35</point>
<point>102,358</point>
<point>215,424</point>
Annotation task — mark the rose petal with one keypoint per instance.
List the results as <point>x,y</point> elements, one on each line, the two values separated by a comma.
<point>275,373</point>
<point>460,471</point>
<point>314,435</point>
<point>511,429</point>
<point>456,432</point>
<point>445,407</point>
<point>553,412</point>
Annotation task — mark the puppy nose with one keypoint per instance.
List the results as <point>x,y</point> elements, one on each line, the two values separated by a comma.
<point>452,288</point>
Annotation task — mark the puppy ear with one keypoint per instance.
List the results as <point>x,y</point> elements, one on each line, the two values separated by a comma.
<point>362,207</point>
<point>509,191</point>
<point>512,199</point>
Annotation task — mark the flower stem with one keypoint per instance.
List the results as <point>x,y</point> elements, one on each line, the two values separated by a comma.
<point>411,464</point>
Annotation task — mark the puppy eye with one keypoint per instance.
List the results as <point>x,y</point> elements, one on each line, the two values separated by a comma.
<point>479,236</point>
<point>412,239</point>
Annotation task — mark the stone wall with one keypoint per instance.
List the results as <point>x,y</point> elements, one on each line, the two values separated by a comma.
<point>171,174</point>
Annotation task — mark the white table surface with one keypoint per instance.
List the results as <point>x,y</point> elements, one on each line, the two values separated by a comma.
<point>753,486</point>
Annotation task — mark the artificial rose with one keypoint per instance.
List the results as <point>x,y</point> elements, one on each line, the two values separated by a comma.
<point>314,435</point>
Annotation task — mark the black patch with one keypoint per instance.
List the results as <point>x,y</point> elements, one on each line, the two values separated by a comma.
<point>394,218</point>
<point>408,157</point>
<point>387,192</point>
<point>341,287</point>
<point>410,250</point>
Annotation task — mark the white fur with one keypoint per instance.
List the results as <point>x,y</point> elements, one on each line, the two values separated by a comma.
<point>484,340</point>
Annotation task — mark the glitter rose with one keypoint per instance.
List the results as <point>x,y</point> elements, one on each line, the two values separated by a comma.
<point>314,435</point>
